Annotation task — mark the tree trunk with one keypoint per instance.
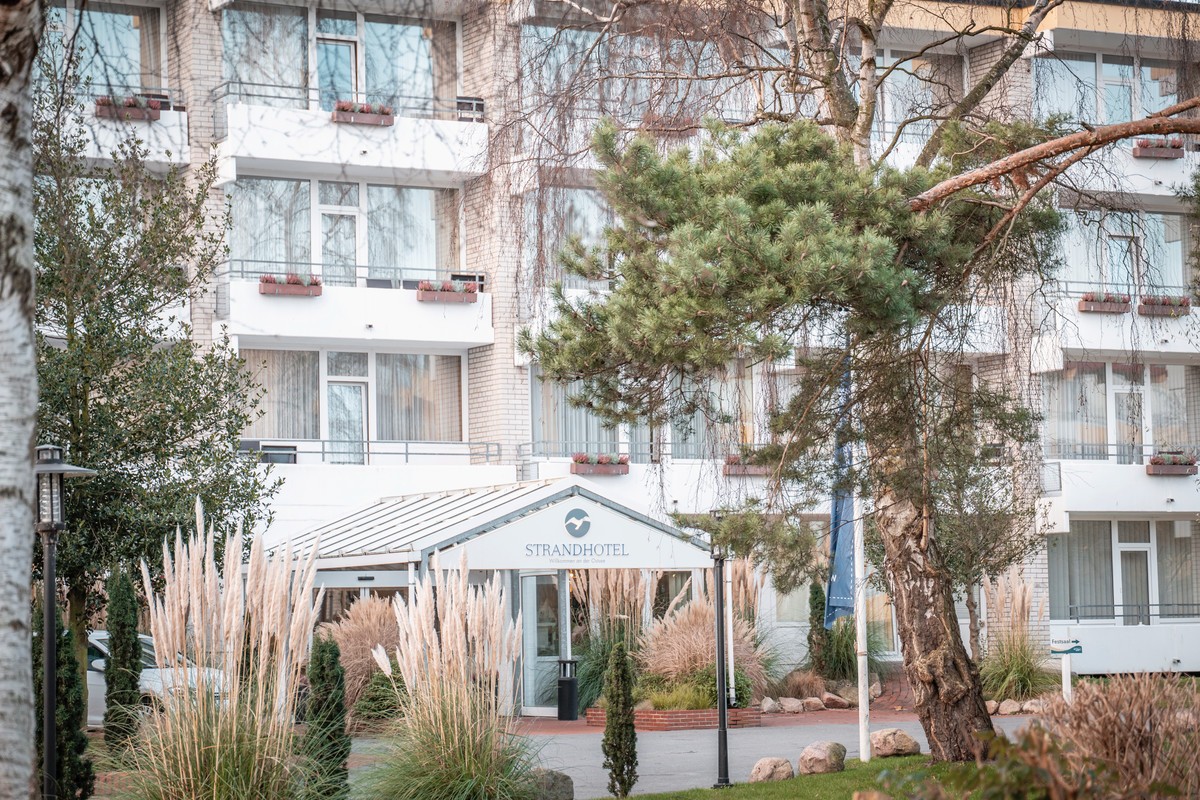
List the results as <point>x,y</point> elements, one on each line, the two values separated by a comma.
<point>20,29</point>
<point>945,682</point>
<point>973,624</point>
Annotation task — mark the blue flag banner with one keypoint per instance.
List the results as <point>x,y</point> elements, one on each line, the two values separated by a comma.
<point>839,595</point>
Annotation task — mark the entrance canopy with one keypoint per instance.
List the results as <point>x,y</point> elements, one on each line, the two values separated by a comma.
<point>538,525</point>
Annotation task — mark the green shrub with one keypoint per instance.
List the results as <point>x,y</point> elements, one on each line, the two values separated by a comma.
<point>818,635</point>
<point>706,681</point>
<point>841,655</point>
<point>593,654</point>
<point>74,774</point>
<point>620,738</point>
<point>123,668</point>
<point>381,699</point>
<point>326,746</point>
<point>1014,668</point>
<point>686,697</point>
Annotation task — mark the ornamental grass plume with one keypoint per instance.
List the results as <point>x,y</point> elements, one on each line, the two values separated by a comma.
<point>1015,665</point>
<point>369,622</point>
<point>234,646</point>
<point>683,643</point>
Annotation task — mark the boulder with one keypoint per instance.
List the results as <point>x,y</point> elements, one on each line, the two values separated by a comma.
<point>791,705</point>
<point>875,690</point>
<point>770,706</point>
<point>1010,707</point>
<point>893,742</point>
<point>992,707</point>
<point>551,785</point>
<point>771,769</point>
<point>848,693</point>
<point>813,704</point>
<point>832,700</point>
<point>1033,707</point>
<point>821,757</point>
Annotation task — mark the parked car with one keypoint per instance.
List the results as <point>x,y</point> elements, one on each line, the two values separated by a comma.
<point>154,683</point>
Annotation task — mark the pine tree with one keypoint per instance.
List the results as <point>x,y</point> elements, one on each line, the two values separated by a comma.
<point>74,775</point>
<point>620,738</point>
<point>818,635</point>
<point>123,669</point>
<point>326,743</point>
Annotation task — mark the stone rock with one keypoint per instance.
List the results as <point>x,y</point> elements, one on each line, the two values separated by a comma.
<point>821,757</point>
<point>832,700</point>
<point>848,693</point>
<point>813,704</point>
<point>1033,707</point>
<point>992,707</point>
<point>771,769</point>
<point>893,742</point>
<point>875,689</point>
<point>770,706</point>
<point>551,785</point>
<point>644,705</point>
<point>791,705</point>
<point>1010,707</point>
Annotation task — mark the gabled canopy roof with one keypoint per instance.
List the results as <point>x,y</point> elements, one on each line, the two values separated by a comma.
<point>564,523</point>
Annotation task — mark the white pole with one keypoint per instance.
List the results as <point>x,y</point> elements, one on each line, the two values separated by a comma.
<point>1066,676</point>
<point>860,624</point>
<point>729,630</point>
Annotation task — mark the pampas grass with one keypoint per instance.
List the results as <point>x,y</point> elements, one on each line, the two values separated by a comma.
<point>682,644</point>
<point>224,730</point>
<point>369,622</point>
<point>1015,665</point>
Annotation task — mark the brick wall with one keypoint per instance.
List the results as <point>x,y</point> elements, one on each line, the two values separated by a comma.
<point>701,719</point>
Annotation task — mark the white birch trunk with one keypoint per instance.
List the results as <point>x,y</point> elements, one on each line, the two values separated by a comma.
<point>20,29</point>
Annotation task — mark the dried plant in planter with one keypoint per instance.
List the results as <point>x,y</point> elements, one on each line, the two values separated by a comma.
<point>230,732</point>
<point>1015,665</point>
<point>369,622</point>
<point>683,644</point>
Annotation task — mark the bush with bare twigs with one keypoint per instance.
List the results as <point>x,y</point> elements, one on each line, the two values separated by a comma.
<point>369,622</point>
<point>683,644</point>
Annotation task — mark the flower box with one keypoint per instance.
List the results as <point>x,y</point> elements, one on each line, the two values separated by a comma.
<point>699,719</point>
<point>1101,307</point>
<point>599,469</point>
<point>1160,310</point>
<point>148,113</point>
<point>1157,152</point>
<point>1170,469</point>
<point>434,296</point>
<point>359,118</point>
<point>746,470</point>
<point>290,289</point>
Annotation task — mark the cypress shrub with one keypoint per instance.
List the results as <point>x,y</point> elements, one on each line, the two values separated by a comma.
<point>620,738</point>
<point>123,668</point>
<point>818,635</point>
<point>74,775</point>
<point>326,744</point>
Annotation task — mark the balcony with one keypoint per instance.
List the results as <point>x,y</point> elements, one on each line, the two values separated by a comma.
<point>362,305</point>
<point>1133,638</point>
<point>1115,329</point>
<point>423,141</point>
<point>1120,479</point>
<point>156,116</point>
<point>308,452</point>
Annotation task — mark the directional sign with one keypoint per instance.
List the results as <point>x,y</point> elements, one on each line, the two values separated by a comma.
<point>1064,646</point>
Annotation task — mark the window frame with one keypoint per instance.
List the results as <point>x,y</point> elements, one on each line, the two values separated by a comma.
<point>71,29</point>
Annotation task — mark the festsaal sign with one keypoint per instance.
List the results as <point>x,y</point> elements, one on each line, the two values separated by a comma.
<point>579,533</point>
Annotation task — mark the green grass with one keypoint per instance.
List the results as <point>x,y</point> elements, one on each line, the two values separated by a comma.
<point>834,786</point>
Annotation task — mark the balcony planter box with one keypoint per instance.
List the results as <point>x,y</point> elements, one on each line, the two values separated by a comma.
<point>599,469</point>
<point>701,719</point>
<point>746,470</point>
<point>358,118</point>
<point>127,113</point>
<point>1100,307</point>
<point>1170,469</point>
<point>1158,310</point>
<point>1157,152</point>
<point>434,296</point>
<point>291,289</point>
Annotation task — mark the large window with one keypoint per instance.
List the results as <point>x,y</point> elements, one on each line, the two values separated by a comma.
<point>1122,411</point>
<point>1096,88</point>
<point>553,217</point>
<point>119,47</point>
<point>269,57</point>
<point>1127,252</point>
<point>1134,572</point>
<point>560,428</point>
<point>356,230</point>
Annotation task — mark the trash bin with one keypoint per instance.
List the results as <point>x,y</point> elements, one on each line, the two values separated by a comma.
<point>568,690</point>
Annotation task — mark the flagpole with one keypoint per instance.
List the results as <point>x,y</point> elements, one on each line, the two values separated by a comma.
<point>860,624</point>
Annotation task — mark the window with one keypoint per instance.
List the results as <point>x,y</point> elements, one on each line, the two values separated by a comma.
<point>120,47</point>
<point>672,592</point>
<point>553,216</point>
<point>561,429</point>
<point>727,421</point>
<point>1126,252</point>
<point>906,93</point>
<point>292,406</point>
<point>366,58</point>
<point>377,232</point>
<point>418,397</point>
<point>1101,88</point>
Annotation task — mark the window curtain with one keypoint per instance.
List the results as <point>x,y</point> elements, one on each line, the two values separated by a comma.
<point>418,398</point>
<point>118,48</point>
<point>1066,85</point>
<point>265,55</point>
<point>271,224</point>
<point>401,232</point>
<point>1076,411</point>
<point>560,428</point>
<point>1089,572</point>
<point>1164,260</point>
<point>1178,568</point>
<point>711,431</point>
<point>552,219</point>
<point>1080,250</point>
<point>292,406</point>
<point>907,93</point>
<point>399,64</point>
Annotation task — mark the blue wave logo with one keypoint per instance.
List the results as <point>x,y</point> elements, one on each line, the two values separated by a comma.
<point>577,523</point>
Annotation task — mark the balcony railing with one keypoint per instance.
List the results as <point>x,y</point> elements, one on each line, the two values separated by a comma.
<point>642,452</point>
<point>311,98</point>
<point>364,275</point>
<point>1135,613</point>
<point>167,99</point>
<point>369,452</point>
<point>1121,453</point>
<point>1076,289</point>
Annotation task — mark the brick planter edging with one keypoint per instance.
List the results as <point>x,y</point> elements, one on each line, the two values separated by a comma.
<point>599,469</point>
<point>431,296</point>
<point>1157,310</point>
<point>1171,469</point>
<point>1100,307</point>
<point>702,719</point>
<point>293,289</point>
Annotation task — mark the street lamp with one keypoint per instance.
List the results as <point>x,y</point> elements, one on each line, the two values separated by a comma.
<point>49,471</point>
<point>718,556</point>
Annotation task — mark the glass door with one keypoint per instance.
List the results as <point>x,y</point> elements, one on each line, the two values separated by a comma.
<point>338,247</point>
<point>347,423</point>
<point>1136,581</point>
<point>540,645</point>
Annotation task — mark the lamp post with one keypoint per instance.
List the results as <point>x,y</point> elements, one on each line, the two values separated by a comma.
<point>718,556</point>
<point>49,470</point>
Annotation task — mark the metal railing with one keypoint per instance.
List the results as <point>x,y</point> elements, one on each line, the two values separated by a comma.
<point>1134,613</point>
<point>362,275</point>
<point>1122,453</point>
<point>313,98</point>
<point>1076,289</point>
<point>167,99</point>
<point>369,452</point>
<point>642,452</point>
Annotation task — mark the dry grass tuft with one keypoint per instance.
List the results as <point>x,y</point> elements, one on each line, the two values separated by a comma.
<point>684,643</point>
<point>617,601</point>
<point>802,683</point>
<point>369,622</point>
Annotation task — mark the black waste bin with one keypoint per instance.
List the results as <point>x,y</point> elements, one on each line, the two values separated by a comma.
<point>568,690</point>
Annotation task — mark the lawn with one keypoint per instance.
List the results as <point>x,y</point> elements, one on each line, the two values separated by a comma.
<point>834,786</point>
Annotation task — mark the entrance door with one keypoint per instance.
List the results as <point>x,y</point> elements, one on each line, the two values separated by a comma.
<point>347,423</point>
<point>1129,427</point>
<point>540,645</point>
<point>1136,581</point>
